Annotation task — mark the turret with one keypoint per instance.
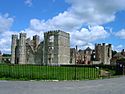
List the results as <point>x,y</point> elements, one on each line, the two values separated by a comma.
<point>22,48</point>
<point>13,48</point>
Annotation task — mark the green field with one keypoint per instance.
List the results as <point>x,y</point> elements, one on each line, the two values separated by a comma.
<point>32,72</point>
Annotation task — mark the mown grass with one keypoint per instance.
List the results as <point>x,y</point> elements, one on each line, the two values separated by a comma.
<point>33,72</point>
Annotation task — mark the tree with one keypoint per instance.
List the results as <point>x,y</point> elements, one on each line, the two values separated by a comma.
<point>113,53</point>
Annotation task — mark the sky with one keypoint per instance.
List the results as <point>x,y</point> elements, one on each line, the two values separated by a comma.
<point>87,21</point>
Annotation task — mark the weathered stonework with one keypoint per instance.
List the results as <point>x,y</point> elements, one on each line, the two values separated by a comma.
<point>80,56</point>
<point>55,49</point>
<point>72,55</point>
<point>22,48</point>
<point>103,53</point>
<point>13,48</point>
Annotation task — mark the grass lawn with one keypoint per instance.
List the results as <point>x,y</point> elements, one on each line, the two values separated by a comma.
<point>32,72</point>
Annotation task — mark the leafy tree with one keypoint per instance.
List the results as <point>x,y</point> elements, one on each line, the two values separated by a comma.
<point>6,55</point>
<point>121,60</point>
<point>113,53</point>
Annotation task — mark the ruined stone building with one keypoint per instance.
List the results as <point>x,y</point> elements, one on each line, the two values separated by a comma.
<point>88,55</point>
<point>81,56</point>
<point>54,49</point>
<point>57,47</point>
<point>103,53</point>
<point>72,55</point>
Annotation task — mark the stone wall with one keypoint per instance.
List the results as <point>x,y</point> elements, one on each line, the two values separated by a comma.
<point>103,53</point>
<point>72,55</point>
<point>13,48</point>
<point>22,48</point>
<point>56,47</point>
<point>39,54</point>
<point>63,48</point>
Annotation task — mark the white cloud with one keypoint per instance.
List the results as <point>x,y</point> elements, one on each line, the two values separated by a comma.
<point>81,12</point>
<point>28,2</point>
<point>85,36</point>
<point>90,12</point>
<point>38,25</point>
<point>5,41</point>
<point>93,13</point>
<point>5,33</point>
<point>31,33</point>
<point>118,47</point>
<point>92,46</point>
<point>5,22</point>
<point>82,37</point>
<point>121,34</point>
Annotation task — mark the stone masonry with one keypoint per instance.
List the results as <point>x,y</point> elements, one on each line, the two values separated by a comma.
<point>103,53</point>
<point>57,47</point>
<point>13,48</point>
<point>54,49</point>
<point>22,48</point>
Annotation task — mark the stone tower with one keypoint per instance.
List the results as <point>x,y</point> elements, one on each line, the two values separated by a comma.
<point>56,47</point>
<point>35,41</point>
<point>103,53</point>
<point>22,48</point>
<point>13,48</point>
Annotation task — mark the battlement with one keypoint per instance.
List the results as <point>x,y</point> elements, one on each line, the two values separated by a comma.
<point>54,31</point>
<point>22,35</point>
<point>110,45</point>
<point>57,32</point>
<point>15,36</point>
<point>103,44</point>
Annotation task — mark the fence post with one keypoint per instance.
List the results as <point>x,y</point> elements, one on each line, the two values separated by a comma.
<point>75,62</point>
<point>123,70</point>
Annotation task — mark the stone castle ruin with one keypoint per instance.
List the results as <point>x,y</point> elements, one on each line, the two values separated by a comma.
<point>102,54</point>
<point>55,49</point>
